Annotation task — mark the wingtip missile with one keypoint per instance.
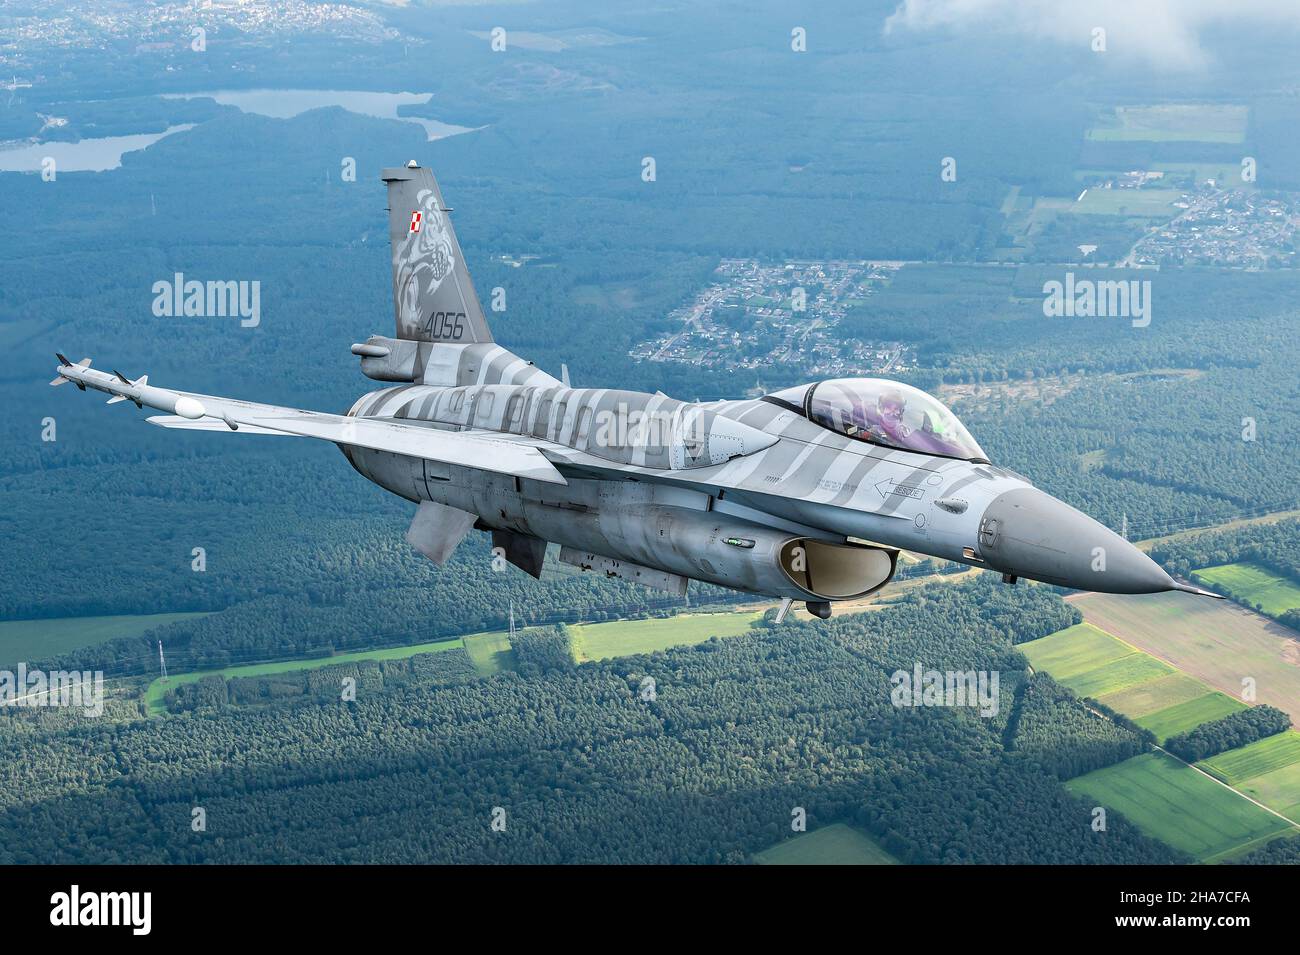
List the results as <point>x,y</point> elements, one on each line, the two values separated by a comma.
<point>121,388</point>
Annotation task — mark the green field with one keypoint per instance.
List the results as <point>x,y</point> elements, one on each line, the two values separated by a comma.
<point>1132,670</point>
<point>1267,770</point>
<point>837,844</point>
<point>1203,123</point>
<point>1155,695</point>
<point>1181,717</point>
<point>1250,584</point>
<point>1093,663</point>
<point>1264,756</point>
<point>1074,650</point>
<point>1202,172</point>
<point>1174,803</point>
<point>490,652</point>
<point>1216,641</point>
<point>1279,790</point>
<point>618,638</point>
<point>158,688</point>
<point>1141,203</point>
<point>39,639</point>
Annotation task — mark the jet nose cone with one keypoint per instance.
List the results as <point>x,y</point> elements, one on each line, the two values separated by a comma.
<point>1031,534</point>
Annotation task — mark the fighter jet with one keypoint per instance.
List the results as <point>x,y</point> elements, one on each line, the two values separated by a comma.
<point>807,494</point>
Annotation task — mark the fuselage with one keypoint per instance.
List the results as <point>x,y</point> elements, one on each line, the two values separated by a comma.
<point>710,501</point>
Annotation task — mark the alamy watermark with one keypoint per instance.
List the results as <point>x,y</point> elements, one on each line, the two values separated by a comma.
<point>1104,298</point>
<point>191,298</point>
<point>37,688</point>
<point>922,687</point>
<point>129,909</point>
<point>622,427</point>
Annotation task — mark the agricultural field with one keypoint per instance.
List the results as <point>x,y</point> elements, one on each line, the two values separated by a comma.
<point>39,639</point>
<point>1264,756</point>
<point>490,652</point>
<point>1093,663</point>
<point>158,688</point>
<point>1203,172</point>
<point>598,641</point>
<point>1249,584</point>
<point>1180,806</point>
<point>1215,641</point>
<point>837,844</point>
<point>1279,790</point>
<point>1152,696</point>
<point>1140,203</point>
<point>1268,770</point>
<point>1203,123</point>
<point>1074,650</point>
<point>1132,670</point>
<point>1181,717</point>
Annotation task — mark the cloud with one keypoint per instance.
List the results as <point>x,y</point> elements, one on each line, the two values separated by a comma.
<point>1165,33</point>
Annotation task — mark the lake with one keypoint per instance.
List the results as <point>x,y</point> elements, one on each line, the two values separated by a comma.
<point>86,155</point>
<point>103,153</point>
<point>284,104</point>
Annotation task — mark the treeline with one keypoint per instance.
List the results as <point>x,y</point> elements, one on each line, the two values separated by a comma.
<point>324,684</point>
<point>543,649</point>
<point>1065,738</point>
<point>585,769</point>
<point>1228,732</point>
<point>360,586</point>
<point>1275,852</point>
<point>1275,546</point>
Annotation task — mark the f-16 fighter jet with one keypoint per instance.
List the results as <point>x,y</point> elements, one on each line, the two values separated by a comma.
<point>806,494</point>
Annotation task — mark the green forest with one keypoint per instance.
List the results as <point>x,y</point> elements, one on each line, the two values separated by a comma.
<point>739,732</point>
<point>760,152</point>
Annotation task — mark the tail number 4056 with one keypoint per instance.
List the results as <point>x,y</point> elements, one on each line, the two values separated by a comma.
<point>446,325</point>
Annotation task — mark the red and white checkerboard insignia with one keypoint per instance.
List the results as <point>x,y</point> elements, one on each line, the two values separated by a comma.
<point>415,221</point>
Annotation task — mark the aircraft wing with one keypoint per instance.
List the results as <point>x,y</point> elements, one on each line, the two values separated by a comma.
<point>212,412</point>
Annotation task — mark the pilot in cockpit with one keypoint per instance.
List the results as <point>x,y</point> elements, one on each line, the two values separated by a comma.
<point>887,413</point>
<point>882,423</point>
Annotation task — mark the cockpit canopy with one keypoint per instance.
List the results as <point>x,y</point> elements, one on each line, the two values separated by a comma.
<point>884,412</point>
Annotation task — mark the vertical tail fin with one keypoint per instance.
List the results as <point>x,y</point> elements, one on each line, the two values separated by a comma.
<point>433,297</point>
